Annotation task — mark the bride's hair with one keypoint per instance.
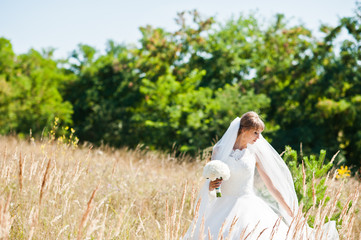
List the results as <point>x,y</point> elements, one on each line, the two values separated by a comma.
<point>250,120</point>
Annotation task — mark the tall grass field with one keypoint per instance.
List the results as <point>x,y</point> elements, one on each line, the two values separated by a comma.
<point>57,190</point>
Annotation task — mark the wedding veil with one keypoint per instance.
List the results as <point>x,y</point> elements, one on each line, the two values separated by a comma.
<point>277,170</point>
<point>224,146</point>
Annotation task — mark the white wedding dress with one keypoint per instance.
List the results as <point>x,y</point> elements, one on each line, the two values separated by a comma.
<point>238,202</point>
<point>240,211</point>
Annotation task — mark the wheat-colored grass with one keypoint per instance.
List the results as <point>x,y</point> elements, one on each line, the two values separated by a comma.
<point>54,191</point>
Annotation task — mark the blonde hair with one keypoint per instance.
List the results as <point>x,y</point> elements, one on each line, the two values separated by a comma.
<point>250,120</point>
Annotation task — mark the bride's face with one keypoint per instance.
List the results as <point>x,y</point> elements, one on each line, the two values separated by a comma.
<point>250,136</point>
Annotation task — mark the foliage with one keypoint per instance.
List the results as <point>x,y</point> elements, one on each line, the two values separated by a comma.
<point>30,86</point>
<point>310,178</point>
<point>315,97</point>
<point>63,136</point>
<point>182,88</point>
<point>153,94</point>
<point>106,87</point>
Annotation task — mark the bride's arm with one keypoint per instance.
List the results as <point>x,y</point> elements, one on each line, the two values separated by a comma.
<point>276,194</point>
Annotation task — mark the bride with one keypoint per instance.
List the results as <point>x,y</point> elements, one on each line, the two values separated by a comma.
<point>259,200</point>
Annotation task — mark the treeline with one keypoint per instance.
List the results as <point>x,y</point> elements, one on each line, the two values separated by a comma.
<point>180,90</point>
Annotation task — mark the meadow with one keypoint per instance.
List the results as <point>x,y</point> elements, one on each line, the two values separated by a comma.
<point>53,189</point>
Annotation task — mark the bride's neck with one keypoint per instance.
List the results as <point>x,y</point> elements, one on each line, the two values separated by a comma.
<point>239,144</point>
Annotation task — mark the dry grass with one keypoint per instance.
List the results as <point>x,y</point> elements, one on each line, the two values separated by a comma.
<point>51,191</point>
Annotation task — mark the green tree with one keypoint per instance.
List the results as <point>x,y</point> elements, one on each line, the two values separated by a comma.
<point>105,89</point>
<point>30,96</point>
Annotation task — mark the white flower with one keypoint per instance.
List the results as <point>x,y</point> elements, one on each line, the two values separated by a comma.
<point>216,169</point>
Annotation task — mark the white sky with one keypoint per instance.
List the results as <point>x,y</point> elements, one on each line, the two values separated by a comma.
<point>64,24</point>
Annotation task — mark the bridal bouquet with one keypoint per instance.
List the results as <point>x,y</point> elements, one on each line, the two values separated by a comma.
<point>216,169</point>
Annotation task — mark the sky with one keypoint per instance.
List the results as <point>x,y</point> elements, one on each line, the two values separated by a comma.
<point>64,24</point>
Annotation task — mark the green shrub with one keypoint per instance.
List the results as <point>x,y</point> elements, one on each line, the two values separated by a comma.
<point>309,175</point>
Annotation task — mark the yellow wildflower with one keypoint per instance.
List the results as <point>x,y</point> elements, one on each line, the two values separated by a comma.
<point>56,121</point>
<point>343,172</point>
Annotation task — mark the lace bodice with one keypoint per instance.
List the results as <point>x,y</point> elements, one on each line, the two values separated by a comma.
<point>241,164</point>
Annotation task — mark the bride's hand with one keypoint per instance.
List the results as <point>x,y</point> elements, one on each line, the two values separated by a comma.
<point>214,184</point>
